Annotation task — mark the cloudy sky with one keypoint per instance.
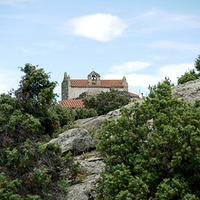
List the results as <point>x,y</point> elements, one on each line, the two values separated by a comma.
<point>144,40</point>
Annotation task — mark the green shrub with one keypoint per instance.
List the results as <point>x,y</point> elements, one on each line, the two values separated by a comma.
<point>9,189</point>
<point>64,115</point>
<point>153,150</point>
<point>191,75</point>
<point>188,76</point>
<point>82,113</point>
<point>107,101</point>
<point>30,170</point>
<point>197,64</point>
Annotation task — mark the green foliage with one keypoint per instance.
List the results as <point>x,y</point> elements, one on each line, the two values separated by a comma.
<point>62,184</point>
<point>82,113</point>
<point>188,76</point>
<point>35,85</point>
<point>153,150</point>
<point>28,169</point>
<point>197,64</point>
<point>64,115</point>
<point>191,75</point>
<point>36,95</point>
<point>9,189</point>
<point>107,101</point>
<point>67,116</point>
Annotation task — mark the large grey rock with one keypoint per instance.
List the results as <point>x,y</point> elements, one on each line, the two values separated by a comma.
<point>92,166</point>
<point>115,114</point>
<point>92,123</point>
<point>85,190</point>
<point>76,140</point>
<point>189,91</point>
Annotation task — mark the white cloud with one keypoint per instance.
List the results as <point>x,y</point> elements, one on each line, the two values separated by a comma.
<point>9,79</point>
<point>175,70</point>
<point>101,27</point>
<point>142,81</point>
<point>137,82</point>
<point>129,67</point>
<point>133,79</point>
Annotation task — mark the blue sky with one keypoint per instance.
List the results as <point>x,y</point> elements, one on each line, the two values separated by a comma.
<point>143,40</point>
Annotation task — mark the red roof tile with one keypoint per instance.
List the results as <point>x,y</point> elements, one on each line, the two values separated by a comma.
<point>72,103</point>
<point>104,83</point>
<point>133,95</point>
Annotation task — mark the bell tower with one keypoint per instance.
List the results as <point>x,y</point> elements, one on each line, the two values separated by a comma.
<point>94,78</point>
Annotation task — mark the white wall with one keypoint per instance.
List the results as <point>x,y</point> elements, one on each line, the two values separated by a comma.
<point>74,92</point>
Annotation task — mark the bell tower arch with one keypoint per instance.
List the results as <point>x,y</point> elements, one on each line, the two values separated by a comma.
<point>94,78</point>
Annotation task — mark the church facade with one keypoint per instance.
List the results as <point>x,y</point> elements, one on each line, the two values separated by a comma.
<point>73,88</point>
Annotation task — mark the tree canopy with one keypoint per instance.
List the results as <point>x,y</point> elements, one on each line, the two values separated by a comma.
<point>107,101</point>
<point>29,170</point>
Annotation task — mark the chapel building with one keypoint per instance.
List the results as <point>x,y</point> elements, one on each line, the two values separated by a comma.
<point>73,88</point>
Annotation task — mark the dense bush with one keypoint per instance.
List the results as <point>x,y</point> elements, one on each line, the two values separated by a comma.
<point>28,169</point>
<point>82,113</point>
<point>191,75</point>
<point>107,101</point>
<point>188,76</point>
<point>65,115</point>
<point>153,150</point>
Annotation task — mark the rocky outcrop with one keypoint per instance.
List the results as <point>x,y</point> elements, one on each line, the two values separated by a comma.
<point>93,123</point>
<point>77,140</point>
<point>85,190</point>
<point>92,166</point>
<point>189,91</point>
<point>115,114</point>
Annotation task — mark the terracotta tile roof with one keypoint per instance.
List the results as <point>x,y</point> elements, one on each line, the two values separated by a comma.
<point>104,83</point>
<point>72,103</point>
<point>133,95</point>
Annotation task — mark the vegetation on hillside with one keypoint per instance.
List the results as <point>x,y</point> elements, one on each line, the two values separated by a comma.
<point>153,150</point>
<point>68,115</point>
<point>191,74</point>
<point>107,101</point>
<point>28,169</point>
